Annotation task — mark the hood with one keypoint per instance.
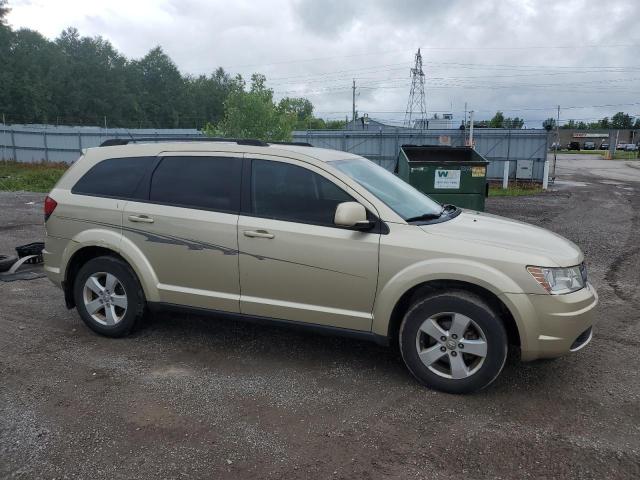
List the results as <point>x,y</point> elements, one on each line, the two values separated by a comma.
<point>487,229</point>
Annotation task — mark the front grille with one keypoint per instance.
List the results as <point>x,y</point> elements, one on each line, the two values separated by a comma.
<point>582,340</point>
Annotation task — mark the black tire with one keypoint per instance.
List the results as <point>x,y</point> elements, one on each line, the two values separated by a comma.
<point>6,262</point>
<point>136,303</point>
<point>484,321</point>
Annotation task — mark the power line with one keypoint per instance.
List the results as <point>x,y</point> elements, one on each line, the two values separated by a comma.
<point>449,48</point>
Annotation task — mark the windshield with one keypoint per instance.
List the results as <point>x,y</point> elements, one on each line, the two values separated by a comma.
<point>397,194</point>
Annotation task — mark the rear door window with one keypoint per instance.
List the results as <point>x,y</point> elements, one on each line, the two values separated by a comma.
<point>207,183</point>
<point>115,177</point>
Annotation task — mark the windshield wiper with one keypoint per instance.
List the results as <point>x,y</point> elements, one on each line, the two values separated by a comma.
<point>448,209</point>
<point>425,216</point>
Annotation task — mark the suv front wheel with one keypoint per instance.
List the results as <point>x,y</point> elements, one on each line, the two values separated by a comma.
<point>453,341</point>
<point>108,296</point>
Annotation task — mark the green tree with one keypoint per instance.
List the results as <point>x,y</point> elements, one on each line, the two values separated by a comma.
<point>514,123</point>
<point>497,121</point>
<point>4,11</point>
<point>159,89</point>
<point>621,120</point>
<point>92,83</point>
<point>205,96</point>
<point>571,124</point>
<point>636,124</point>
<point>6,72</point>
<point>549,124</point>
<point>253,113</point>
<point>335,124</point>
<point>34,65</point>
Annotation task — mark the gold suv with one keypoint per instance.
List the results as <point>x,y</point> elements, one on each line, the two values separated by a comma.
<point>309,237</point>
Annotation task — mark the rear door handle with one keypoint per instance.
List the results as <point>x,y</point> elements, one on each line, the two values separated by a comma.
<point>258,234</point>
<point>140,218</point>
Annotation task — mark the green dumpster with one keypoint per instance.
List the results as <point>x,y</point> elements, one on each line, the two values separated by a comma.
<point>456,175</point>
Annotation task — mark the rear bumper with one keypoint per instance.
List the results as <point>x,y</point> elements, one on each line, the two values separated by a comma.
<point>553,325</point>
<point>52,256</point>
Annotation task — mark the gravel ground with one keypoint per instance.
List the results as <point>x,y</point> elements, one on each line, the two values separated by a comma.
<point>197,397</point>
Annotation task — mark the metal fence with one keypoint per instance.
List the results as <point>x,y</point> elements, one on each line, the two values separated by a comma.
<point>35,143</point>
<point>497,145</point>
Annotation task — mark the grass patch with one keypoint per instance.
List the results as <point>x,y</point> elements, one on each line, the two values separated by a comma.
<point>31,177</point>
<point>619,155</point>
<point>514,190</point>
<point>580,152</point>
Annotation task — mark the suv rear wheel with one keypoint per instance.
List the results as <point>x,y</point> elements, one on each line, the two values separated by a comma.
<point>108,296</point>
<point>453,341</point>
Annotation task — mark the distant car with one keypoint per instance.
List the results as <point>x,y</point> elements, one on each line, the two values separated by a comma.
<point>621,146</point>
<point>630,147</point>
<point>589,146</point>
<point>574,146</point>
<point>555,145</point>
<point>604,146</point>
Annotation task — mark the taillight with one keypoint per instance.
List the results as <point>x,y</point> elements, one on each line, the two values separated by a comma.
<point>49,206</point>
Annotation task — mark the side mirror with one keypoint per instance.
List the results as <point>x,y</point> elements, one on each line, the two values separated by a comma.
<point>352,215</point>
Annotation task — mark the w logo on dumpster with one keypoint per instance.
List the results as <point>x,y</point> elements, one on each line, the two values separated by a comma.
<point>446,179</point>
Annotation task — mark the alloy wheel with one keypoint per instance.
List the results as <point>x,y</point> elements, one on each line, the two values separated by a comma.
<point>105,298</point>
<point>451,345</point>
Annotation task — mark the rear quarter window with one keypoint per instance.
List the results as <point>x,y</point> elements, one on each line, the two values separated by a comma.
<point>114,177</point>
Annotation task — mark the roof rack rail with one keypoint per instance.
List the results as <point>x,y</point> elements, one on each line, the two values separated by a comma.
<point>240,141</point>
<point>297,144</point>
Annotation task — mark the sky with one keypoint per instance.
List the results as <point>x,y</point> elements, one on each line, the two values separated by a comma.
<point>522,57</point>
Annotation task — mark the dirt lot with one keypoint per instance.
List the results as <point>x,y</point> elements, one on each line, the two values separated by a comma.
<point>201,398</point>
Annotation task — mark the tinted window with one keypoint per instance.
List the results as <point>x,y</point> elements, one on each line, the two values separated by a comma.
<point>116,177</point>
<point>210,183</point>
<point>288,192</point>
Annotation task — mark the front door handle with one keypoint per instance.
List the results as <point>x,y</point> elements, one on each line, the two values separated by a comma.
<point>140,218</point>
<point>258,234</point>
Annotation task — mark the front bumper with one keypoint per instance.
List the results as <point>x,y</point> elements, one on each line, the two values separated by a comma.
<point>553,325</point>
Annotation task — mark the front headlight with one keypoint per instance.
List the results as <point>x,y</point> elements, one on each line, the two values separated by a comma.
<point>560,280</point>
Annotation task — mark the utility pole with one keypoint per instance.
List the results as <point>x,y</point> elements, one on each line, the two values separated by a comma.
<point>555,150</point>
<point>471,128</point>
<point>465,114</point>
<point>353,107</point>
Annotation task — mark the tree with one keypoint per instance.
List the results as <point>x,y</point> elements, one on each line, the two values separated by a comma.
<point>621,120</point>
<point>160,90</point>
<point>497,121</point>
<point>253,113</point>
<point>338,124</point>
<point>513,123</point>
<point>571,124</point>
<point>549,124</point>
<point>637,123</point>
<point>85,80</point>
<point>4,11</point>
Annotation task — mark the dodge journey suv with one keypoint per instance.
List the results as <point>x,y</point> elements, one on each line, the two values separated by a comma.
<point>308,237</point>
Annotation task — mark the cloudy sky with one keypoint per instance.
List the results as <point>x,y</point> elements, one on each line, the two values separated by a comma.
<point>523,57</point>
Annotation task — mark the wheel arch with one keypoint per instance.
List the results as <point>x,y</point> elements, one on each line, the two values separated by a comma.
<point>424,288</point>
<point>87,252</point>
